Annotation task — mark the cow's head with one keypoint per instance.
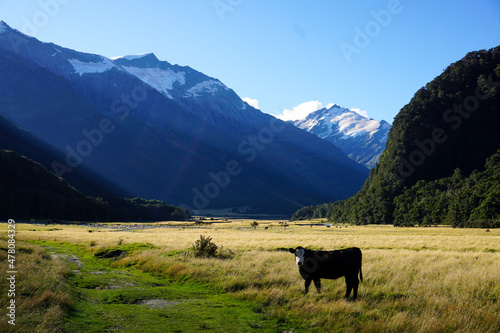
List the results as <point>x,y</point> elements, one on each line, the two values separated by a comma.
<point>299,255</point>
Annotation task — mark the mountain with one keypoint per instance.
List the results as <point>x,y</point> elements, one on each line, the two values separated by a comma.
<point>441,163</point>
<point>195,92</point>
<point>361,138</point>
<point>166,132</point>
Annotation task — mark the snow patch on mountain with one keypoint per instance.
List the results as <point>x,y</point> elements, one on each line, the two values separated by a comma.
<point>81,67</point>
<point>160,79</point>
<point>209,86</point>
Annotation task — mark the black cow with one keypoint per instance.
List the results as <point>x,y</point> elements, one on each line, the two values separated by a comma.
<point>317,265</point>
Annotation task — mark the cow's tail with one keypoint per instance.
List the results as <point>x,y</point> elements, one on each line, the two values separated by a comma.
<point>360,262</point>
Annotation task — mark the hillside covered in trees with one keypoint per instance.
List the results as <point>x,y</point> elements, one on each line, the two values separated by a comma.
<point>29,191</point>
<point>441,163</point>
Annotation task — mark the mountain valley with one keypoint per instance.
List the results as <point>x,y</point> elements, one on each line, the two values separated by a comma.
<point>167,132</point>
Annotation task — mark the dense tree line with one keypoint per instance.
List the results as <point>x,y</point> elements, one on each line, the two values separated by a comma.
<point>433,168</point>
<point>29,191</point>
<point>459,201</point>
<point>455,200</point>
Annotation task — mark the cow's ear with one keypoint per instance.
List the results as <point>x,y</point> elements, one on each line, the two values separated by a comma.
<point>291,250</point>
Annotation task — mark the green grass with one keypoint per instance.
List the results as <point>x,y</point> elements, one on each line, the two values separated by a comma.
<point>122,299</point>
<point>178,309</point>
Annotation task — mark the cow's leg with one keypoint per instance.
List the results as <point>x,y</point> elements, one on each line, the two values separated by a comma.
<point>348,284</point>
<point>355,282</point>
<point>317,284</point>
<point>352,283</point>
<point>307,283</point>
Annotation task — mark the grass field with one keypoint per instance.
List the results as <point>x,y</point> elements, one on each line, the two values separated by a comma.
<point>415,279</point>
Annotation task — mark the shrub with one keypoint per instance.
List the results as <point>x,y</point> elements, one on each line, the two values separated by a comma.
<point>204,247</point>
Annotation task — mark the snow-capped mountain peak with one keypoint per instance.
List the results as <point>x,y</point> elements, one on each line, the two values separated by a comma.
<point>339,119</point>
<point>175,82</point>
<point>196,92</point>
<point>361,138</point>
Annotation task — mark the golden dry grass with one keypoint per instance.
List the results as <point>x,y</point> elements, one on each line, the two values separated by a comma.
<point>240,236</point>
<point>41,292</point>
<point>415,279</point>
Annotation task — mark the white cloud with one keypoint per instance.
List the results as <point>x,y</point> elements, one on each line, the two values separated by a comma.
<point>252,102</point>
<point>360,112</point>
<point>300,111</point>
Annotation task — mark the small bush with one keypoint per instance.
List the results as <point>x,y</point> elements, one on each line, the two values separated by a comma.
<point>205,248</point>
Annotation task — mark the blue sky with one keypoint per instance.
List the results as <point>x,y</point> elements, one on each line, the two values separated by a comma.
<point>369,55</point>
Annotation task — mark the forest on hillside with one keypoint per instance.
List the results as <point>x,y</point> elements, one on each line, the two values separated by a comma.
<point>459,201</point>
